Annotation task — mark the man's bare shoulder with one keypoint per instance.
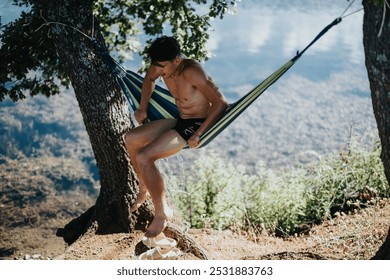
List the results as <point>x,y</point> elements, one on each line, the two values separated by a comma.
<point>188,64</point>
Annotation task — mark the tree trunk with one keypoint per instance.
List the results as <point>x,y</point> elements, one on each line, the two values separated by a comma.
<point>377,54</point>
<point>106,118</point>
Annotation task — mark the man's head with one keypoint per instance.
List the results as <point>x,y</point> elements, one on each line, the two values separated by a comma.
<point>164,49</point>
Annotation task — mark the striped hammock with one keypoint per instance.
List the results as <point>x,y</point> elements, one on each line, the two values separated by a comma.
<point>162,104</point>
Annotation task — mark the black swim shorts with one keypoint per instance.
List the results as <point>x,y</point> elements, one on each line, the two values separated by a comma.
<point>187,127</point>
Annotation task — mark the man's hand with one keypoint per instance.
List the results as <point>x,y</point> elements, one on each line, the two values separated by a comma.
<point>140,116</point>
<point>193,142</point>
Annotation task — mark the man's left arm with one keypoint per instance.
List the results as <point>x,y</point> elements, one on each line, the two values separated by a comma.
<point>217,101</point>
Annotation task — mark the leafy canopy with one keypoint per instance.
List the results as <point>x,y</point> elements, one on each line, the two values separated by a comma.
<point>29,62</point>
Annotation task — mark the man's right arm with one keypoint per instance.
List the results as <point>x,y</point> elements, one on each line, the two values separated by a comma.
<point>148,84</point>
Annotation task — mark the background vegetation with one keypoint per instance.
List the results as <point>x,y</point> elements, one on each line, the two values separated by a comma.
<point>222,195</point>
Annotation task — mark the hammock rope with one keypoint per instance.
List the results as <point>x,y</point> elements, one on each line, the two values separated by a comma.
<point>347,8</point>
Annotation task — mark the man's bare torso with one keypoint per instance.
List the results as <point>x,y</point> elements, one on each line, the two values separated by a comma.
<point>191,102</point>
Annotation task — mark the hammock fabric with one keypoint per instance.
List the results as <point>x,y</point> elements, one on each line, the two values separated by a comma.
<point>162,104</point>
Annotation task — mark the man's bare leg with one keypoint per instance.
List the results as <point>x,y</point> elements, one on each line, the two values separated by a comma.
<point>166,145</point>
<point>136,140</point>
<point>142,196</point>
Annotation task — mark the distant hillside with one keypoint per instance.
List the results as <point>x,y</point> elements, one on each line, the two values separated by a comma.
<point>45,128</point>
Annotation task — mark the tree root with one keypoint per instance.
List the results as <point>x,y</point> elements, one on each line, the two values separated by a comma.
<point>384,251</point>
<point>77,227</point>
<point>185,243</point>
<point>287,256</point>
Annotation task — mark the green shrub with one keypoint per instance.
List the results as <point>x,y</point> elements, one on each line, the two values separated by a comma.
<point>273,201</point>
<point>211,195</point>
<point>352,179</point>
<point>219,194</point>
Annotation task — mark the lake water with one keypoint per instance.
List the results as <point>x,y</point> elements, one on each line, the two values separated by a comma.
<point>312,109</point>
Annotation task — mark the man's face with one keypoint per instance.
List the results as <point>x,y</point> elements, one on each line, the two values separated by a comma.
<point>168,67</point>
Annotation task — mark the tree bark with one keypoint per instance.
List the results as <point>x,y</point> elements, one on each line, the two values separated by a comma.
<point>384,251</point>
<point>106,118</point>
<point>377,54</point>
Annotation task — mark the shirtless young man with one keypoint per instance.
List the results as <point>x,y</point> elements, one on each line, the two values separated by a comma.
<point>200,104</point>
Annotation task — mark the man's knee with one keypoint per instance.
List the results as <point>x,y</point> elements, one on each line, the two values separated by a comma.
<point>130,142</point>
<point>144,159</point>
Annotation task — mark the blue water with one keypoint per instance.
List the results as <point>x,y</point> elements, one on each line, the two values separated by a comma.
<point>313,108</point>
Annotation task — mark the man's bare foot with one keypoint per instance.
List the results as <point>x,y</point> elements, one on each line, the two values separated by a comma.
<point>141,198</point>
<point>158,224</point>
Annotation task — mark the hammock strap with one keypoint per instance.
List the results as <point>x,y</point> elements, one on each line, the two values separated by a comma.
<point>326,29</point>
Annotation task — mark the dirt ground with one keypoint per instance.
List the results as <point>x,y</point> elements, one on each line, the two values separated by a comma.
<point>355,236</point>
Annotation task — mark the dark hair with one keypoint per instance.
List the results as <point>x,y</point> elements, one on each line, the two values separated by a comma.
<point>164,49</point>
